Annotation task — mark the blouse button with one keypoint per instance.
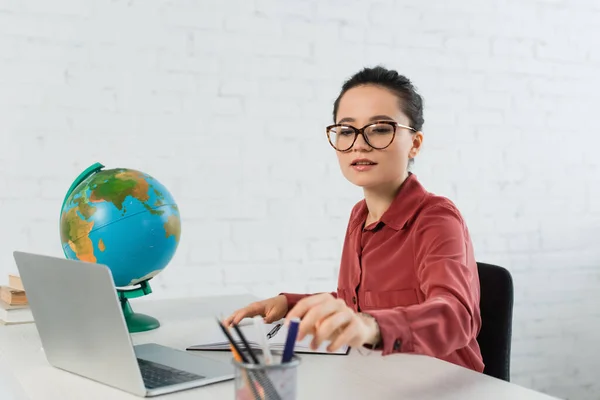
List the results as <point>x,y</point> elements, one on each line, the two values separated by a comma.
<point>353,299</point>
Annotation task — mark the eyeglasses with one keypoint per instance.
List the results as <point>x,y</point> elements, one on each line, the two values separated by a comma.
<point>378,135</point>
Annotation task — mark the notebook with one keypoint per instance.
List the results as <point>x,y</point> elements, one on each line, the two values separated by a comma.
<point>276,336</point>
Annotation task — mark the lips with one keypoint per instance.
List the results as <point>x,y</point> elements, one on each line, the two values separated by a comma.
<point>362,161</point>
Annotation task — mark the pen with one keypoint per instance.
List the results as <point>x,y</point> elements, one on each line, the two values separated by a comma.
<point>274,331</point>
<point>260,330</point>
<point>290,341</point>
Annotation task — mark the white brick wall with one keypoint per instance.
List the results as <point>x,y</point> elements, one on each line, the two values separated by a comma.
<point>225,103</point>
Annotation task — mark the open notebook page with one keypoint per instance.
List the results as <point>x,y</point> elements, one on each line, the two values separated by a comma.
<point>214,339</point>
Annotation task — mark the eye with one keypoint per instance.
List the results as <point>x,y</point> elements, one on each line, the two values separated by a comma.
<point>382,129</point>
<point>344,131</point>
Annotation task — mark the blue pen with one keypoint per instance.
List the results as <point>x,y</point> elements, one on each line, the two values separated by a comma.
<point>290,341</point>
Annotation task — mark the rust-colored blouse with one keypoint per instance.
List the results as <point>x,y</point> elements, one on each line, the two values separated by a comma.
<point>415,272</point>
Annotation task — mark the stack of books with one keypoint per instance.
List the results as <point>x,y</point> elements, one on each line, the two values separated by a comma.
<point>14,306</point>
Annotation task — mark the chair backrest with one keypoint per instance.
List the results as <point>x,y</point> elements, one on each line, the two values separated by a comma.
<point>496,306</point>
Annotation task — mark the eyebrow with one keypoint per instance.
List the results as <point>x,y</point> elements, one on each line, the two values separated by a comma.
<point>373,118</point>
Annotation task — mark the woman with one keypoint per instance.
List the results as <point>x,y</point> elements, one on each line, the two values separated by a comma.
<point>408,279</point>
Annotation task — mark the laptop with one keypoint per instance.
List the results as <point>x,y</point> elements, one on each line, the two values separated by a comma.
<point>83,331</point>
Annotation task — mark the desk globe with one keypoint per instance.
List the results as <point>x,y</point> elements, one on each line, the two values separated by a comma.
<point>126,220</point>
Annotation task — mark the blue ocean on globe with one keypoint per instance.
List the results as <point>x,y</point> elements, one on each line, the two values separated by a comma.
<point>124,219</point>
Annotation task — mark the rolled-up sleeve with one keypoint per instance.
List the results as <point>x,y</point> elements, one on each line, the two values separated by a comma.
<point>448,319</point>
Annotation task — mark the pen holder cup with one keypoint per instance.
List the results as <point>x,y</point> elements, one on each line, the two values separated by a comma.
<point>277,381</point>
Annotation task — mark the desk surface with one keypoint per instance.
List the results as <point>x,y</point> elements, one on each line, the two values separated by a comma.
<point>27,375</point>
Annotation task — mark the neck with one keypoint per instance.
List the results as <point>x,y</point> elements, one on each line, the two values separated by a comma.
<point>379,199</point>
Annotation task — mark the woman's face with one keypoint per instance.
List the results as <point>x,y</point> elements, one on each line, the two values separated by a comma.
<point>363,165</point>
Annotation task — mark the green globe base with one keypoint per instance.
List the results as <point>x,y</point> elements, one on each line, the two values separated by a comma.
<point>136,322</point>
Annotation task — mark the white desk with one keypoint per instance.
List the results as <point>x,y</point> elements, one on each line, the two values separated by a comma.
<point>320,376</point>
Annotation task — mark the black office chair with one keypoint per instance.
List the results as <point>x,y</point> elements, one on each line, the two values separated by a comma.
<point>496,306</point>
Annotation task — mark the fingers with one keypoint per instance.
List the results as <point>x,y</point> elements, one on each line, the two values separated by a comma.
<point>312,320</point>
<point>270,317</point>
<point>240,316</point>
<point>229,320</point>
<point>323,303</point>
<point>306,304</point>
<point>249,311</point>
<point>328,319</point>
<point>351,336</point>
<point>332,326</point>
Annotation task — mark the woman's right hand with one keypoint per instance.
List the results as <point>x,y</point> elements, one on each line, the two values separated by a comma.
<point>272,309</point>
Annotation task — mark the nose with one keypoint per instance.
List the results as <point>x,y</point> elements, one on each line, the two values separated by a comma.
<point>361,144</point>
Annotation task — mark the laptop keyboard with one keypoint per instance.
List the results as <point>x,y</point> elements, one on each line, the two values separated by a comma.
<point>158,375</point>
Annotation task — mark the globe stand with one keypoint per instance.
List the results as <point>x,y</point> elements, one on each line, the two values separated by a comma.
<point>136,322</point>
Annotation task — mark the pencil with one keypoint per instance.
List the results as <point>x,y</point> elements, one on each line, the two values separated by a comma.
<point>264,378</point>
<point>232,342</point>
<point>249,381</point>
<point>245,342</point>
<point>239,356</point>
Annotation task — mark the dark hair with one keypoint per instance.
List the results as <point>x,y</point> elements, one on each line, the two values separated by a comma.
<point>411,102</point>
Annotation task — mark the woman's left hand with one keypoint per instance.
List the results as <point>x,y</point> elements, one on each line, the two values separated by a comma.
<point>328,318</point>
